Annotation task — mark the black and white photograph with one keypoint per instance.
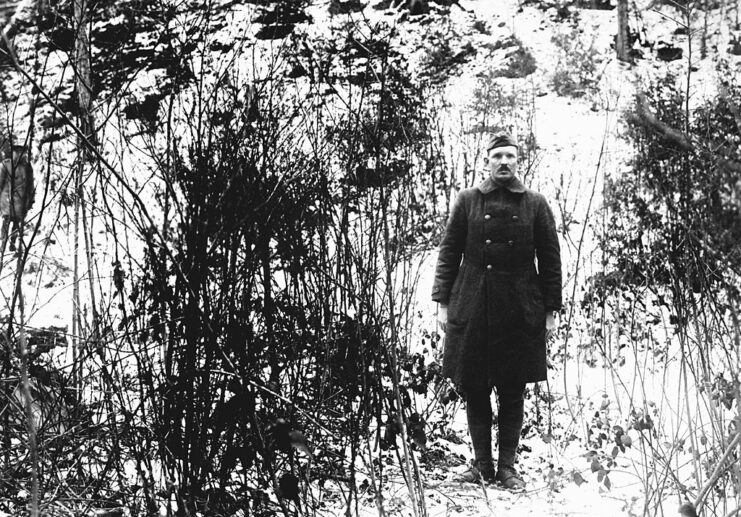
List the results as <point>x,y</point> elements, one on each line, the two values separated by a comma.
<point>359,258</point>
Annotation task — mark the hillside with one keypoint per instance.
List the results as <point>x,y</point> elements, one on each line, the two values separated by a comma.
<point>221,301</point>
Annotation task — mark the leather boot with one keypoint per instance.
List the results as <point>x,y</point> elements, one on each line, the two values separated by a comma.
<point>479,471</point>
<point>508,476</point>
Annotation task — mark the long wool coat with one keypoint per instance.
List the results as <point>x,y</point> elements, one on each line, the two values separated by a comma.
<point>499,271</point>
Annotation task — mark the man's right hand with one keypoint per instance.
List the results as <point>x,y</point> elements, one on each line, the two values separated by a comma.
<point>442,315</point>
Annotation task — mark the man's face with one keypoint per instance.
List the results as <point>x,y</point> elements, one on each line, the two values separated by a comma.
<point>502,162</point>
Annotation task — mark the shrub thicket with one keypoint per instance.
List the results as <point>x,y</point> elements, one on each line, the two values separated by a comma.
<point>671,278</point>
<point>282,308</point>
<point>674,213</point>
<point>262,337</point>
<point>575,71</point>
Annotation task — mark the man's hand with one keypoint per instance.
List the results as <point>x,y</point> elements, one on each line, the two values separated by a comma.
<point>442,315</point>
<point>550,324</point>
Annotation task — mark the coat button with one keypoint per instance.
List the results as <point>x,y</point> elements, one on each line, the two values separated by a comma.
<point>511,243</point>
<point>488,241</point>
<point>488,267</point>
<point>487,217</point>
<point>515,218</point>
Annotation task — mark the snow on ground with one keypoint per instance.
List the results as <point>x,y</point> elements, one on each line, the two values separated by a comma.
<point>579,142</point>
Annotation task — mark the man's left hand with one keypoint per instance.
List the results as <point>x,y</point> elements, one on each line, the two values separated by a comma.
<point>550,324</point>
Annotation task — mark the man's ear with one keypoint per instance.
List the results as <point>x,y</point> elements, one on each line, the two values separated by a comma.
<point>486,160</point>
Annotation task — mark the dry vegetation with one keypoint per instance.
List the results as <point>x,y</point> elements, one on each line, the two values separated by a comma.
<point>237,244</point>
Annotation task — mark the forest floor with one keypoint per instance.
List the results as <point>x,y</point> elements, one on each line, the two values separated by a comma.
<point>585,449</point>
<point>603,404</point>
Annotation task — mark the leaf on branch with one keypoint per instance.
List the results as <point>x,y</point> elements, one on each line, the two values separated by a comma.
<point>278,435</point>
<point>417,430</point>
<point>578,478</point>
<point>615,451</point>
<point>596,466</point>
<point>288,487</point>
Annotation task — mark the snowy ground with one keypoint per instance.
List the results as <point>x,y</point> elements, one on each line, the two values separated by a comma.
<point>580,143</point>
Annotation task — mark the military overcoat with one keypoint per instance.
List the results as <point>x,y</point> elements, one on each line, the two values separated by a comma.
<point>499,271</point>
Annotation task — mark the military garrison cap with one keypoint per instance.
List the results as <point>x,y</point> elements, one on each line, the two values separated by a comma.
<point>501,139</point>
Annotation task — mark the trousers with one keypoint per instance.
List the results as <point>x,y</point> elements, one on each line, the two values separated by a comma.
<point>511,402</point>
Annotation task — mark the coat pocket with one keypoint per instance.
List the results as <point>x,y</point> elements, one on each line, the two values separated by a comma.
<point>455,302</point>
<point>536,292</point>
<point>537,306</point>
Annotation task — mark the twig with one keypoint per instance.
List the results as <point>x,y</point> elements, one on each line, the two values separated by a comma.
<point>280,397</point>
<point>26,385</point>
<point>576,271</point>
<point>719,468</point>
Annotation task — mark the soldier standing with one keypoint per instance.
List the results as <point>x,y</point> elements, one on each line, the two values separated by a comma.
<point>498,285</point>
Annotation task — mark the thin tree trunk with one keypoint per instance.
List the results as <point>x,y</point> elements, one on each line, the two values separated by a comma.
<point>82,85</point>
<point>87,228</point>
<point>26,384</point>
<point>76,355</point>
<point>704,41</point>
<point>269,316</point>
<point>82,67</point>
<point>622,33</point>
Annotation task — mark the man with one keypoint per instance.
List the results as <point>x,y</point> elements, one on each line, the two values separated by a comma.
<point>16,192</point>
<point>497,303</point>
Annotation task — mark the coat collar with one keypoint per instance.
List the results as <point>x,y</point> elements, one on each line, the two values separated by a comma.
<point>488,185</point>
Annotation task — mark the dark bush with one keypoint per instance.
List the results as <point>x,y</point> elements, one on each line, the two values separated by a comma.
<point>674,218</point>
